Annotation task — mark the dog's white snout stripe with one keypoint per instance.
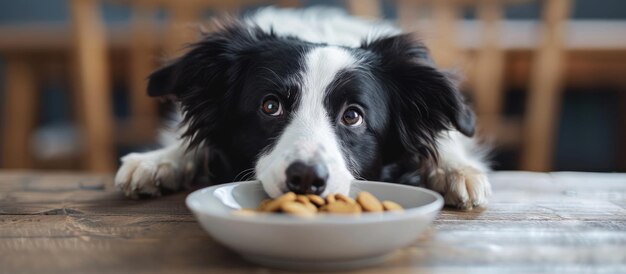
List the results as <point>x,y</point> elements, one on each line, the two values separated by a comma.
<point>310,136</point>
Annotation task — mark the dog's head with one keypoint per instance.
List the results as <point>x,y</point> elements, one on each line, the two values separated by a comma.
<point>311,117</point>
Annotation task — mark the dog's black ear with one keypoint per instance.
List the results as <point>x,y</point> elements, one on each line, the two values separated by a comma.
<point>201,69</point>
<point>161,82</point>
<point>208,63</point>
<point>465,120</point>
<point>200,79</point>
<point>426,100</point>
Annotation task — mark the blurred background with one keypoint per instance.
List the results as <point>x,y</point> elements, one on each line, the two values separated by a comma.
<point>547,78</point>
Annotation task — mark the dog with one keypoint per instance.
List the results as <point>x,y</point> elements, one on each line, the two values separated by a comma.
<point>308,101</point>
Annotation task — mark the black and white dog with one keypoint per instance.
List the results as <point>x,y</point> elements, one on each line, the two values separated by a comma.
<point>307,101</point>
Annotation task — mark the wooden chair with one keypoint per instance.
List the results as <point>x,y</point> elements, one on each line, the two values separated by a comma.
<point>536,132</point>
<point>20,94</point>
<point>89,49</point>
<point>543,102</point>
<point>93,85</point>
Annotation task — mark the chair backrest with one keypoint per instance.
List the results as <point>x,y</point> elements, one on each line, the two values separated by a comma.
<point>485,70</point>
<point>93,81</point>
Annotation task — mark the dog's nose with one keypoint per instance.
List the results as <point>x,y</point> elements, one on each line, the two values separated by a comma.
<point>306,179</point>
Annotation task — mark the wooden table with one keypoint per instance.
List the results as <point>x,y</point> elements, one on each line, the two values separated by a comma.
<point>77,223</point>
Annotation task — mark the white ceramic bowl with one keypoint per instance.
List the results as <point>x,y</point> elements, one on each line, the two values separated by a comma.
<point>321,242</point>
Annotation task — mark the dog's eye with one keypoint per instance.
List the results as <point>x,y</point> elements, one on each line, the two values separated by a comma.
<point>352,117</point>
<point>271,106</point>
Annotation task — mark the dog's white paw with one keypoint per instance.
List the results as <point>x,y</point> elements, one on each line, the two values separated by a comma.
<point>147,174</point>
<point>464,188</point>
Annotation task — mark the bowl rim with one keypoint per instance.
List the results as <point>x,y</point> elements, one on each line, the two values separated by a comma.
<point>271,218</point>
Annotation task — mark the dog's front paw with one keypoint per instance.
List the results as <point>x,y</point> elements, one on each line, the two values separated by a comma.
<point>147,174</point>
<point>464,188</point>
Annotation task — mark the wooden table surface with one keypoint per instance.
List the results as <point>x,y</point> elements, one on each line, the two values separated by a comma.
<point>77,223</point>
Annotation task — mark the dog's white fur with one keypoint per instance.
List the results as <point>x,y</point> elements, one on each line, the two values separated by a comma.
<point>168,167</point>
<point>322,25</point>
<point>462,172</point>
<point>310,136</point>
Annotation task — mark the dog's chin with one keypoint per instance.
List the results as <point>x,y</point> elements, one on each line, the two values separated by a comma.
<point>273,188</point>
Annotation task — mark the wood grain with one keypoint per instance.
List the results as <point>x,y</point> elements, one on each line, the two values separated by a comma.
<point>78,223</point>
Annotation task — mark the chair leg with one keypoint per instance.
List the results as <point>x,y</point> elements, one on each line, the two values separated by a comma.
<point>179,30</point>
<point>408,15</point>
<point>20,113</point>
<point>543,101</point>
<point>489,74</point>
<point>93,85</point>
<point>444,48</point>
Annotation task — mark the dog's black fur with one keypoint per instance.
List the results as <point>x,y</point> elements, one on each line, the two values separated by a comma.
<point>224,78</point>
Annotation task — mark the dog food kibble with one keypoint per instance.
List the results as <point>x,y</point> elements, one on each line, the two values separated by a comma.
<point>341,197</point>
<point>275,204</point>
<point>317,200</point>
<point>392,206</point>
<point>369,202</point>
<point>331,198</point>
<point>304,200</point>
<point>296,208</point>
<point>310,205</point>
<point>341,207</point>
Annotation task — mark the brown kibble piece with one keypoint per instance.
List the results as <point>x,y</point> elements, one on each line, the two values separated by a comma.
<point>369,202</point>
<point>306,202</point>
<point>316,200</point>
<point>341,197</point>
<point>276,203</point>
<point>311,207</point>
<point>303,199</point>
<point>360,207</point>
<point>341,207</point>
<point>296,208</point>
<point>392,206</point>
